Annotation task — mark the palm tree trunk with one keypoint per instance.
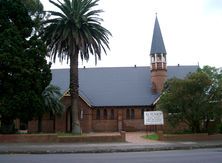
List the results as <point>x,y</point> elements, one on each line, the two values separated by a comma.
<point>74,91</point>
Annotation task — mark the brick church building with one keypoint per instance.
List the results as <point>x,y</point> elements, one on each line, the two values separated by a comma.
<point>114,99</point>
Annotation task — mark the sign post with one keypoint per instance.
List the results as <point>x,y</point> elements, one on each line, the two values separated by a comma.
<point>153,118</point>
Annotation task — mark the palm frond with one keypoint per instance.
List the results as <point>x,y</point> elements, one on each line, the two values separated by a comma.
<point>77,25</point>
<point>51,96</point>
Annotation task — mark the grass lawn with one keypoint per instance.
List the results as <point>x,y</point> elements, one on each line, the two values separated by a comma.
<point>151,137</point>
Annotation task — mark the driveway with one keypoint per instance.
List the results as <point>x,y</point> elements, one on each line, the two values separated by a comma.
<point>136,138</point>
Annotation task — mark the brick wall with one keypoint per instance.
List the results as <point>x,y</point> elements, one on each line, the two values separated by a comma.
<point>28,138</point>
<point>110,119</point>
<point>192,137</point>
<point>134,125</point>
<point>158,77</point>
<point>53,138</point>
<point>94,138</point>
<point>85,116</point>
<point>105,125</point>
<point>131,123</point>
<point>60,123</point>
<point>33,126</point>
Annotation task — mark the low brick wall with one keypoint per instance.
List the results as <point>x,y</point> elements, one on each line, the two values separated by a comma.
<point>54,138</point>
<point>28,138</point>
<point>93,138</point>
<point>191,137</point>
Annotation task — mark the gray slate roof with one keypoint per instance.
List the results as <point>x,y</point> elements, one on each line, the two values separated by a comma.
<point>119,86</point>
<point>157,45</point>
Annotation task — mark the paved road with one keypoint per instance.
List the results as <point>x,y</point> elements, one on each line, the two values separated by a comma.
<point>179,156</point>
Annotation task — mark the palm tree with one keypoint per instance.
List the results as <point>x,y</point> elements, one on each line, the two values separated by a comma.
<point>75,31</point>
<point>51,100</point>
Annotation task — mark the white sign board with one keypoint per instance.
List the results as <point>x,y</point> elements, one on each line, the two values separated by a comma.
<point>153,118</point>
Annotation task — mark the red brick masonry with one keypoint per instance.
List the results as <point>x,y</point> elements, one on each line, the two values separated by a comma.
<point>54,138</point>
<point>191,137</point>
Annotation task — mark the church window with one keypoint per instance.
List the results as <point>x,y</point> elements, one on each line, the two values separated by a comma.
<point>112,114</point>
<point>97,114</point>
<point>128,114</point>
<point>81,114</point>
<point>104,114</point>
<point>132,116</point>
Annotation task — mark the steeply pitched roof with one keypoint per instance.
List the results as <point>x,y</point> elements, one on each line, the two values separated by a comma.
<point>119,86</point>
<point>157,45</point>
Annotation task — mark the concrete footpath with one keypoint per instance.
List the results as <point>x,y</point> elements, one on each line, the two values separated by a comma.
<point>134,144</point>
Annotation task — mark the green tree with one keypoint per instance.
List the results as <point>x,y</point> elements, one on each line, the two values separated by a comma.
<point>75,31</point>
<point>214,111</point>
<point>194,100</point>
<point>24,72</point>
<point>52,104</point>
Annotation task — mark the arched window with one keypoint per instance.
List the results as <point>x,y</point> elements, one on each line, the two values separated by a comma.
<point>112,114</point>
<point>97,114</point>
<point>104,114</point>
<point>132,114</point>
<point>81,114</point>
<point>127,114</point>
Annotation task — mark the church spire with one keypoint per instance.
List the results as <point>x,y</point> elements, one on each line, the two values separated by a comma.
<point>157,46</point>
<point>158,59</point>
<point>158,51</point>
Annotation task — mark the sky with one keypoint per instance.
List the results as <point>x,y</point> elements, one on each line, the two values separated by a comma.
<point>191,29</point>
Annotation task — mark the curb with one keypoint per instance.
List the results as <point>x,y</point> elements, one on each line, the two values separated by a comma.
<point>109,149</point>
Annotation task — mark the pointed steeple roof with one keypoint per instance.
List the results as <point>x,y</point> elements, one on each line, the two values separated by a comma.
<point>157,41</point>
